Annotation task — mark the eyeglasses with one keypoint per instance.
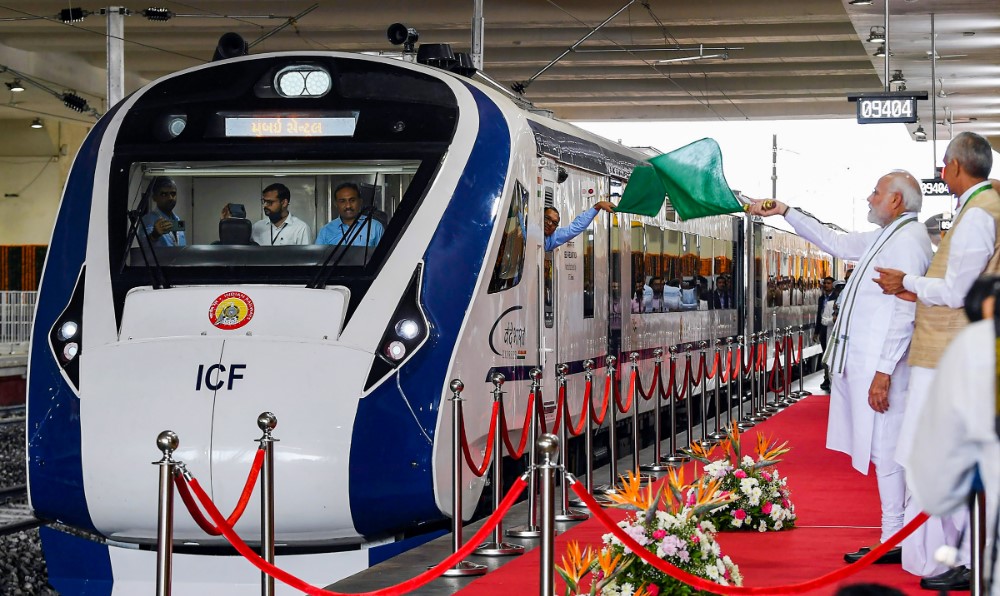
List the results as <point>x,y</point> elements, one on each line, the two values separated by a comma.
<point>554,222</point>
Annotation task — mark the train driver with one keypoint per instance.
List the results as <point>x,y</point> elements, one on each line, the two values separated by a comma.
<point>348,199</point>
<point>279,227</point>
<point>556,236</point>
<point>163,227</point>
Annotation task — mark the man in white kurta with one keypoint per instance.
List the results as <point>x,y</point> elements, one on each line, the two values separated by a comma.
<point>973,247</point>
<point>959,414</point>
<point>867,346</point>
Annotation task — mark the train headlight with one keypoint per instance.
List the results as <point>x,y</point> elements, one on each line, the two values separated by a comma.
<point>176,125</point>
<point>302,81</point>
<point>67,330</point>
<point>70,351</point>
<point>395,350</point>
<point>407,329</point>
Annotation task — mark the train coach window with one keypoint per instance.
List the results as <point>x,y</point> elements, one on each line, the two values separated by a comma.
<point>588,273</point>
<point>510,257</point>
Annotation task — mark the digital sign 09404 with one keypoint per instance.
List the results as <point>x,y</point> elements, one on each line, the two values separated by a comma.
<point>887,109</point>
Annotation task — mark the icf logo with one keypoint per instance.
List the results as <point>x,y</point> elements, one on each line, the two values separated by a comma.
<point>231,310</point>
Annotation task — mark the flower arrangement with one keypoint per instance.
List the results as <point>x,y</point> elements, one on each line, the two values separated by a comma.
<point>762,500</point>
<point>668,524</point>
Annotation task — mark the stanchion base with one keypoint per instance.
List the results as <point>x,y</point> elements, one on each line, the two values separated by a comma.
<point>676,459</point>
<point>464,569</point>
<point>598,496</point>
<point>503,549</point>
<point>799,394</point>
<point>707,442</point>
<point>525,532</point>
<point>771,408</point>
<point>760,416</point>
<point>717,436</point>
<point>571,515</point>
<point>745,425</point>
<point>662,466</point>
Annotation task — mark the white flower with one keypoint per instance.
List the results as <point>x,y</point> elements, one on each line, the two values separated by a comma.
<point>737,523</point>
<point>778,525</point>
<point>708,526</point>
<point>762,527</point>
<point>712,572</point>
<point>748,461</point>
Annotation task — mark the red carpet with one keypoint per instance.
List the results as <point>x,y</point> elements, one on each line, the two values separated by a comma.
<point>838,511</point>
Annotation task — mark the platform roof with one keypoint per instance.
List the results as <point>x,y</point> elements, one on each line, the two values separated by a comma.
<point>791,59</point>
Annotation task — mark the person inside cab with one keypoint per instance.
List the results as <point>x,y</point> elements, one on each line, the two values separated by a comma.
<point>163,227</point>
<point>366,232</point>
<point>556,236</point>
<point>279,227</point>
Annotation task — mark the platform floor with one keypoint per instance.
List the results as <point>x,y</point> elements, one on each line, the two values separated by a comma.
<point>415,561</point>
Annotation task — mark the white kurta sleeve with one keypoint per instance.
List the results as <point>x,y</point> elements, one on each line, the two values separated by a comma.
<point>848,246</point>
<point>907,255</point>
<point>942,461</point>
<point>972,245</point>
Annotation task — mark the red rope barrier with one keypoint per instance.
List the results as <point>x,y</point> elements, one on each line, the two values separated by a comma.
<point>599,420</point>
<point>583,413</point>
<point>715,366</point>
<point>652,383</point>
<point>540,411</point>
<point>748,367</point>
<point>775,367</point>
<point>631,390</point>
<point>402,588</point>
<point>709,586</point>
<point>488,456</point>
<point>560,406</point>
<point>241,505</point>
<point>685,382</point>
<point>517,453</point>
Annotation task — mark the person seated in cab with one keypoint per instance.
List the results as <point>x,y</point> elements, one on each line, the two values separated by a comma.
<point>163,227</point>
<point>279,227</point>
<point>367,232</point>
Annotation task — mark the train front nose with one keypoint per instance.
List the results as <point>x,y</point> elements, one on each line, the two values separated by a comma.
<point>210,389</point>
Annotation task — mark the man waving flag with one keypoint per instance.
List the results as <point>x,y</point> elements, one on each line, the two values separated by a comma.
<point>690,178</point>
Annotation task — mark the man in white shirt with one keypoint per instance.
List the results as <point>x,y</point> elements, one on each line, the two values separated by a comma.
<point>960,414</point>
<point>279,227</point>
<point>866,348</point>
<point>967,251</point>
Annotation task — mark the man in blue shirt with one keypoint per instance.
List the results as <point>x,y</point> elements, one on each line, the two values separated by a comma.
<point>365,233</point>
<point>163,227</point>
<point>556,236</point>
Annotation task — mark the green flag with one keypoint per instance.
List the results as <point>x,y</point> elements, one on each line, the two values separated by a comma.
<point>690,177</point>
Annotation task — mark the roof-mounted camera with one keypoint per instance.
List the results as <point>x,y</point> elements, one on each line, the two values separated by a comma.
<point>401,35</point>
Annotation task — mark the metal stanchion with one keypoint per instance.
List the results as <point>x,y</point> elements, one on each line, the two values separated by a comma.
<point>636,439</point>
<point>977,542</point>
<point>730,382</point>
<point>531,530</point>
<point>771,407</point>
<point>787,370</point>
<point>689,438</point>
<point>705,437</point>
<point>462,568</point>
<point>566,514</point>
<point>757,372</point>
<point>588,435</point>
<point>548,445</point>
<point>801,393</point>
<point>676,456</point>
<point>167,443</point>
<point>267,422</point>
<point>658,464</point>
<point>496,547</point>
<point>718,435</point>
<point>612,428</point>
<point>743,421</point>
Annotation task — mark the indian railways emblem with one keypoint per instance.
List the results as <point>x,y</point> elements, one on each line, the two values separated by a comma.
<point>231,310</point>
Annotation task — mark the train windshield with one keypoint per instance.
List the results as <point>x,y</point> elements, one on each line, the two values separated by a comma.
<point>261,217</point>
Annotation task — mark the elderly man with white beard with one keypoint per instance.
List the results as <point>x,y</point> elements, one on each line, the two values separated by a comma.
<point>867,347</point>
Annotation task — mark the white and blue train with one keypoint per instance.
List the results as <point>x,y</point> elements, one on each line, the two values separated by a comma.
<point>353,345</point>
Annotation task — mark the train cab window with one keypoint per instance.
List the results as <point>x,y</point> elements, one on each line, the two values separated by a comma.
<point>185,216</point>
<point>510,258</point>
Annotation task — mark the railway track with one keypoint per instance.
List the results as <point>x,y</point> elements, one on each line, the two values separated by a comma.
<point>12,415</point>
<point>15,514</point>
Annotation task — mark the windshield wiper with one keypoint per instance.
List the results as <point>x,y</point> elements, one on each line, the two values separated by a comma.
<point>157,277</point>
<point>340,249</point>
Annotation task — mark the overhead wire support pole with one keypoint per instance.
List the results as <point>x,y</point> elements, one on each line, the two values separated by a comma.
<point>887,51</point>
<point>282,26</point>
<point>520,87</point>
<point>478,32</point>
<point>116,54</point>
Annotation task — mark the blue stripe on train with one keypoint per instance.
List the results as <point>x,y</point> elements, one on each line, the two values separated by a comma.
<point>54,466</point>
<point>391,477</point>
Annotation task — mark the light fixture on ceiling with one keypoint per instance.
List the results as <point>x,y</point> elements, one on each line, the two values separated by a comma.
<point>16,86</point>
<point>880,52</point>
<point>919,135</point>
<point>876,35</point>
<point>37,123</point>
<point>898,81</point>
<point>860,2</point>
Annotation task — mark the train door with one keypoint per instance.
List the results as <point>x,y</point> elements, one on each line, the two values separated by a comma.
<point>548,333</point>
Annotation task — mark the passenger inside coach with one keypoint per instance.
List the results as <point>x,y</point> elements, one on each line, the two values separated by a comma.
<point>359,228</point>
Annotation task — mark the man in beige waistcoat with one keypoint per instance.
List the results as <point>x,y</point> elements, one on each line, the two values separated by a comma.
<point>970,249</point>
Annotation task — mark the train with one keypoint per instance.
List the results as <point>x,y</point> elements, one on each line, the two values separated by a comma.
<point>195,328</point>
